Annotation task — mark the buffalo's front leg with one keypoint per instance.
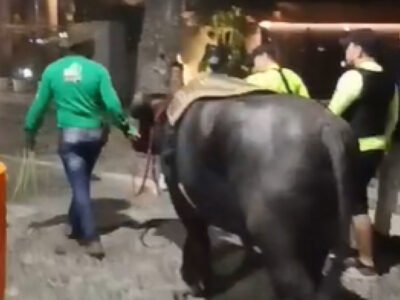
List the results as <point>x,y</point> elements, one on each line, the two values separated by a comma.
<point>196,266</point>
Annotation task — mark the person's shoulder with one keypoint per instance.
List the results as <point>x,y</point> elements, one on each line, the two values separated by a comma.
<point>291,72</point>
<point>57,65</point>
<point>350,76</point>
<point>252,76</point>
<point>259,78</point>
<point>261,75</point>
<point>293,76</point>
<point>52,67</point>
<point>351,73</point>
<point>98,67</point>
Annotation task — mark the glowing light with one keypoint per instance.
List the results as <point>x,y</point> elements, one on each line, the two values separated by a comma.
<point>277,14</point>
<point>266,24</point>
<point>63,35</point>
<point>179,58</point>
<point>27,73</point>
<point>286,26</point>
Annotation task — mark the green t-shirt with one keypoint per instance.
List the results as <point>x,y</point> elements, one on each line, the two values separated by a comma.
<point>82,93</point>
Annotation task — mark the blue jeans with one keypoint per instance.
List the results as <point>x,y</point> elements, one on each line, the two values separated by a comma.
<point>79,150</point>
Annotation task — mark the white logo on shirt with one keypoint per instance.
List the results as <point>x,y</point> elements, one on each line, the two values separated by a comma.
<point>73,73</point>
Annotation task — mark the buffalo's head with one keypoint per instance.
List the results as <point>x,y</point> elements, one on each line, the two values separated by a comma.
<point>150,110</point>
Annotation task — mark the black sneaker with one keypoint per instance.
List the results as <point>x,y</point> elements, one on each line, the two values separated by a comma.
<point>68,232</point>
<point>95,249</point>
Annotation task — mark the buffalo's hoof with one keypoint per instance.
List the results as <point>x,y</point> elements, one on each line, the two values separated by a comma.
<point>186,295</point>
<point>191,292</point>
<point>181,295</point>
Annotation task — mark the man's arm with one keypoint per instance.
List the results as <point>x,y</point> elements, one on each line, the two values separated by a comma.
<point>113,105</point>
<point>347,91</point>
<point>34,117</point>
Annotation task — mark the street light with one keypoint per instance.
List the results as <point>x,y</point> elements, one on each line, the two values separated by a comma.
<point>287,26</point>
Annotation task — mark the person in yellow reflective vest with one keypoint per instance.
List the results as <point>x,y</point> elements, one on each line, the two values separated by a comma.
<point>366,97</point>
<point>268,74</point>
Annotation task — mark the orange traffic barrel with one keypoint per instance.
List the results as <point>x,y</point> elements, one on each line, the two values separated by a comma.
<point>3,229</point>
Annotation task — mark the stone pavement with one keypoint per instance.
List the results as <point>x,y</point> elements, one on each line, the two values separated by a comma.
<point>141,235</point>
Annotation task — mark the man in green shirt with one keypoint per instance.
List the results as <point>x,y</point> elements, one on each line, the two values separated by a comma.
<point>84,98</point>
<point>269,75</point>
<point>366,97</point>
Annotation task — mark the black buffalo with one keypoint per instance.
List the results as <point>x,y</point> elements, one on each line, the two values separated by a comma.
<point>276,170</point>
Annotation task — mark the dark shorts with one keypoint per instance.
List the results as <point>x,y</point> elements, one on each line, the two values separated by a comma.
<point>368,166</point>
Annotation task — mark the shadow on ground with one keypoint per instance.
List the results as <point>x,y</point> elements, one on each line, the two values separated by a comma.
<point>237,275</point>
<point>110,216</point>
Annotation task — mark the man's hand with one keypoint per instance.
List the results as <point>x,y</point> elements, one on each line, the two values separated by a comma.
<point>133,134</point>
<point>30,141</point>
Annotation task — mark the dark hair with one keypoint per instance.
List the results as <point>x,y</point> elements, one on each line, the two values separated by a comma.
<point>86,48</point>
<point>367,39</point>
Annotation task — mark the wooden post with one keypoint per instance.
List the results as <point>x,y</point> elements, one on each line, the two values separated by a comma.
<point>52,10</point>
<point>3,231</point>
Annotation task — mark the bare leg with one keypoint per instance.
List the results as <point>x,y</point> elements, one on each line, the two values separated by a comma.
<point>363,235</point>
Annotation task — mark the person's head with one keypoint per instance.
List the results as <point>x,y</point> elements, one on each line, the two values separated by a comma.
<point>86,49</point>
<point>263,56</point>
<point>79,40</point>
<point>360,44</point>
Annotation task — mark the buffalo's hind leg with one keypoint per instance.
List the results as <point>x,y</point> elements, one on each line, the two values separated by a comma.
<point>284,268</point>
<point>196,265</point>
